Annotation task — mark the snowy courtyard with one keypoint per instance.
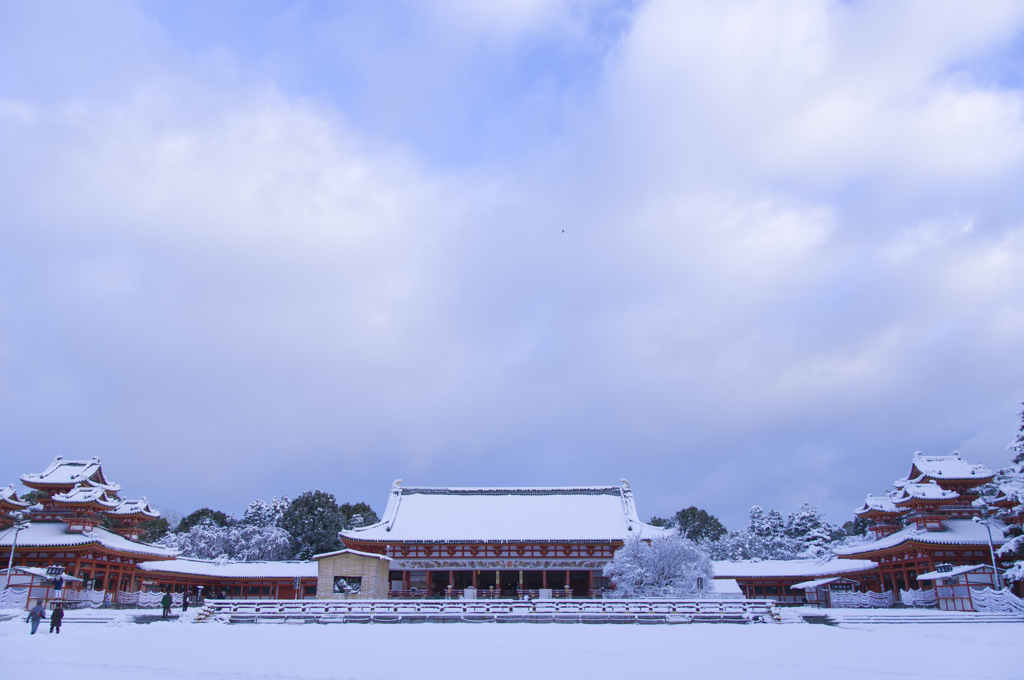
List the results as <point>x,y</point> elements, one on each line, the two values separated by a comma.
<point>497,651</point>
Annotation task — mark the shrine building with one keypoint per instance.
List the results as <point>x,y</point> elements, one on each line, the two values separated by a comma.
<point>501,541</point>
<point>79,522</point>
<point>929,520</point>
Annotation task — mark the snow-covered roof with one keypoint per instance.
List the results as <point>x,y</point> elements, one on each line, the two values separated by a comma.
<point>64,472</point>
<point>790,568</point>
<point>40,572</point>
<point>555,514</point>
<point>56,535</point>
<point>878,504</point>
<point>954,532</point>
<point>10,497</point>
<point>811,585</point>
<point>727,586</point>
<point>955,571</point>
<point>925,492</point>
<point>945,467</point>
<point>134,507</point>
<point>86,494</point>
<point>348,551</point>
<point>226,569</point>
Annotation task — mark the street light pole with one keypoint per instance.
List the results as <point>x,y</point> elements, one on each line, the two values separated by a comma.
<point>19,524</point>
<point>987,521</point>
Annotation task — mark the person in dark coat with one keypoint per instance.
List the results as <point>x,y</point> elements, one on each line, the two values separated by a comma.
<point>184,602</point>
<point>166,601</point>
<point>56,616</point>
<point>36,613</point>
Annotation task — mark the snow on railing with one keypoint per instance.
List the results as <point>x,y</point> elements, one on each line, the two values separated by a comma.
<point>14,598</point>
<point>843,600</point>
<point>988,600</point>
<point>918,598</point>
<point>655,610</point>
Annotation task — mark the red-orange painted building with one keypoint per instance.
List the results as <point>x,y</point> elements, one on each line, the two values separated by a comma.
<point>928,520</point>
<point>501,540</point>
<point>65,527</point>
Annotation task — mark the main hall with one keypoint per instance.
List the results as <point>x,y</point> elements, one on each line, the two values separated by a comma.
<point>501,540</point>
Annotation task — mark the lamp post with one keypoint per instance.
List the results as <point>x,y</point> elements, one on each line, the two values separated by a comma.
<point>987,521</point>
<point>19,524</point>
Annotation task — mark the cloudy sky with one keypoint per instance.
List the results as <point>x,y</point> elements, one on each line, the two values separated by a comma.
<point>738,253</point>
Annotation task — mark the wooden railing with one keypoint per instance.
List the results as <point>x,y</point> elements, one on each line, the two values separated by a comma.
<point>478,611</point>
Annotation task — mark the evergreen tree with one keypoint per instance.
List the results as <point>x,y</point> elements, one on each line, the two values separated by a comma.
<point>204,516</point>
<point>699,525</point>
<point>155,530</point>
<point>357,515</point>
<point>1017,445</point>
<point>263,514</point>
<point>313,520</point>
<point>809,529</point>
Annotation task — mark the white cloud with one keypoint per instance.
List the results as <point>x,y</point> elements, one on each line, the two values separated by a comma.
<point>783,267</point>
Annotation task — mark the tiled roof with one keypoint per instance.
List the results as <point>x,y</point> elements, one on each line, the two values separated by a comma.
<point>86,494</point>
<point>56,535</point>
<point>225,569</point>
<point>134,507</point>
<point>789,568</point>
<point>955,571</point>
<point>62,472</point>
<point>878,504</point>
<point>954,532</point>
<point>556,514</point>
<point>10,496</point>
<point>952,467</point>
<point>925,492</point>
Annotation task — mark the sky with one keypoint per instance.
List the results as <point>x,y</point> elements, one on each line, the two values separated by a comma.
<point>737,253</point>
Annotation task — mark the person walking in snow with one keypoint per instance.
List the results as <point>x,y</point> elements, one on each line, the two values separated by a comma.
<point>184,602</point>
<point>56,616</point>
<point>36,613</point>
<point>166,601</point>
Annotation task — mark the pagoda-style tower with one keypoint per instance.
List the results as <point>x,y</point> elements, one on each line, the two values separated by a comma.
<point>883,514</point>
<point>78,494</point>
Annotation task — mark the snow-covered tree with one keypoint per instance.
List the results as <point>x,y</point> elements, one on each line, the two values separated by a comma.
<point>263,514</point>
<point>245,542</point>
<point>249,542</point>
<point>642,568</point>
<point>808,527</point>
<point>1017,445</point>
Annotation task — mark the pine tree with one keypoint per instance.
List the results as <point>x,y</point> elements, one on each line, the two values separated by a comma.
<point>313,520</point>
<point>1017,445</point>
<point>699,525</point>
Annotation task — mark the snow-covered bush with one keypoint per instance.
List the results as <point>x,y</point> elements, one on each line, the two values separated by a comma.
<point>643,568</point>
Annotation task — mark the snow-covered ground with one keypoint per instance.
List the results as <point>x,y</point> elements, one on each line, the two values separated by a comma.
<point>168,650</point>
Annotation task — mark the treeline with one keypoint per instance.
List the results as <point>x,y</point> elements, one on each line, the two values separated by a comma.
<point>767,536</point>
<point>279,530</point>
